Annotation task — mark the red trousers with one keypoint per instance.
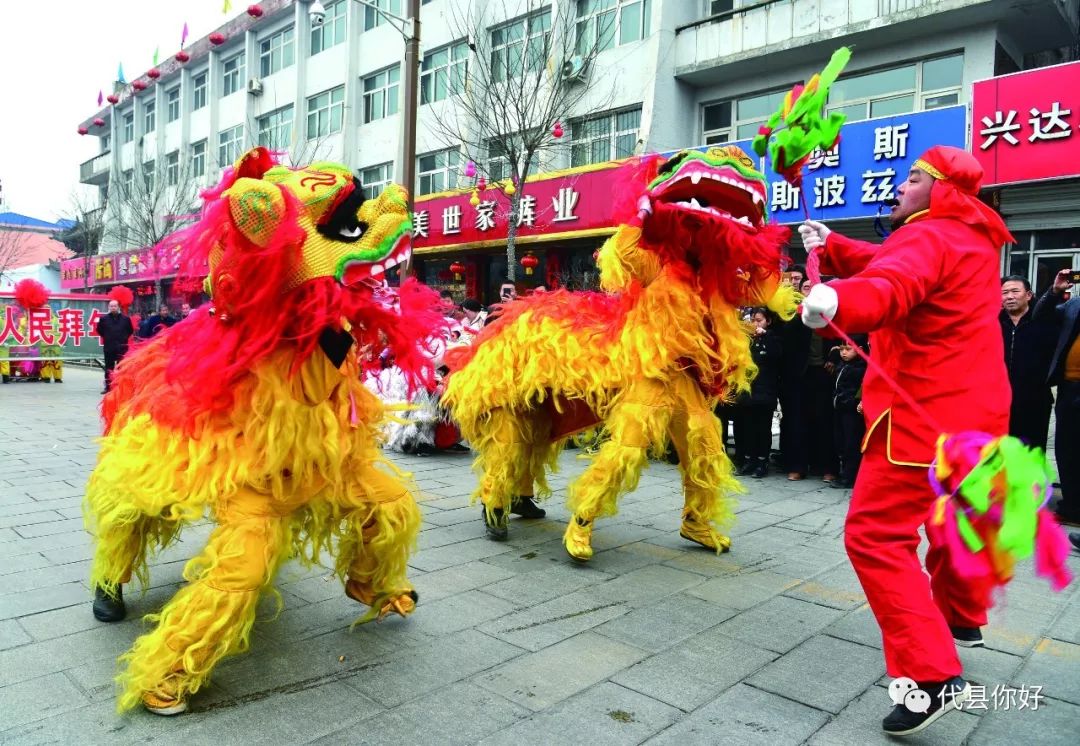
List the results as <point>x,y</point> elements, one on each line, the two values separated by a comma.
<point>914,611</point>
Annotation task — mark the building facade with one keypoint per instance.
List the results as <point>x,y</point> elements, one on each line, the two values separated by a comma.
<point>671,74</point>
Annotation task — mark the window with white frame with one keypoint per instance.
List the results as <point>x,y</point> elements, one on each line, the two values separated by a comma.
<point>716,7</point>
<point>520,45</point>
<point>604,138</point>
<point>198,90</point>
<point>917,86</point>
<point>230,145</point>
<point>105,142</point>
<point>325,113</point>
<point>373,17</point>
<point>198,159</point>
<point>275,128</point>
<point>332,31</point>
<point>498,160</point>
<point>172,104</point>
<point>442,73</point>
<point>375,178</point>
<point>381,93</point>
<point>232,74</point>
<point>149,116</point>
<point>172,168</point>
<point>601,24</point>
<point>129,127</point>
<point>148,169</point>
<point>276,52</point>
<point>739,118</point>
<point>437,171</point>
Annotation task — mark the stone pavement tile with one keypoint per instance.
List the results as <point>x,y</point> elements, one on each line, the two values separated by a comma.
<point>103,643</point>
<point>1053,724</point>
<point>857,626</point>
<point>548,623</point>
<point>669,622</point>
<point>24,520</point>
<point>40,480</point>
<point>744,590</point>
<point>44,697</point>
<point>12,634</point>
<point>606,713</point>
<point>823,672</point>
<point>859,724</point>
<point>1016,627</point>
<point>54,490</point>
<point>773,539</point>
<point>989,667</point>
<point>458,714</point>
<point>609,535</point>
<point>315,589</point>
<point>44,577</point>
<point>75,553</point>
<point>1067,626</point>
<point>746,522</point>
<point>469,514</point>
<point>645,586</point>
<point>1055,666</point>
<point>539,680</point>
<point>693,672</point>
<point>78,617</point>
<point>546,581</point>
<point>804,561</point>
<point>431,502</point>
<point>788,507</point>
<point>32,506</point>
<point>827,521</point>
<point>455,613</point>
<point>457,579</point>
<point>69,538</point>
<point>61,526</point>
<point>780,623</point>
<point>456,554</point>
<point>440,536</point>
<point>400,678</point>
<point>20,564</point>
<point>838,588</point>
<point>41,599</point>
<point>744,716</point>
<point>698,559</point>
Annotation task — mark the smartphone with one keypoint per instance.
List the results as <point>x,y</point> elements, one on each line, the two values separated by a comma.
<point>1074,276</point>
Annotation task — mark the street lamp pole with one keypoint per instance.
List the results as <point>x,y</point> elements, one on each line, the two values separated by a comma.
<point>411,93</point>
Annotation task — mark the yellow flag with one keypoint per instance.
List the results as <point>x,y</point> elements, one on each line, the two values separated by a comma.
<point>227,6</point>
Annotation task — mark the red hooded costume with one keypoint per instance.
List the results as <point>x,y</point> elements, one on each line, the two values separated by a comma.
<point>929,297</point>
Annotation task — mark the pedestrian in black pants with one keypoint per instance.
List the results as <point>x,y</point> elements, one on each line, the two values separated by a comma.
<point>1065,374</point>
<point>1029,345</point>
<point>849,425</point>
<point>753,424</point>
<point>795,339</point>
<point>115,330</point>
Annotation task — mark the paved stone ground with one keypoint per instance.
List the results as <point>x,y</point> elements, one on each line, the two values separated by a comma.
<point>654,641</point>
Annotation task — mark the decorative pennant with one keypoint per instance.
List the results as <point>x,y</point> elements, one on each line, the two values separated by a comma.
<point>226,7</point>
<point>156,51</point>
<point>120,73</point>
<point>184,36</point>
<point>100,98</point>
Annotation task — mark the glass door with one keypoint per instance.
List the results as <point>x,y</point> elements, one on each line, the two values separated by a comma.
<point>1049,264</point>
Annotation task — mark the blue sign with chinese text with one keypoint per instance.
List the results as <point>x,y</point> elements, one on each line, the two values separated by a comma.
<point>872,158</point>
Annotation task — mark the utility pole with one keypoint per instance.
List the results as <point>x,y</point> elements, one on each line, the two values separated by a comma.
<point>411,92</point>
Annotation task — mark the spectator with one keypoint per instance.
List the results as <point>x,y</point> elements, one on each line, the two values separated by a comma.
<point>185,310</point>
<point>161,320</point>
<point>795,340</point>
<point>115,330</point>
<point>1029,345</point>
<point>1065,374</point>
<point>473,317</point>
<point>753,425</point>
<point>848,423</point>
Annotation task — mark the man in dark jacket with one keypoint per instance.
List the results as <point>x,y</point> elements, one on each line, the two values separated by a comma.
<point>114,329</point>
<point>849,426</point>
<point>1065,374</point>
<point>1029,345</point>
<point>754,413</point>
<point>160,321</point>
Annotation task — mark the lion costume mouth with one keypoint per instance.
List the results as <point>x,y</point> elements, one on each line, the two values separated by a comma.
<point>719,182</point>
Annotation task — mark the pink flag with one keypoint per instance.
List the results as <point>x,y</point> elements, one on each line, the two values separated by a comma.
<point>183,36</point>
<point>100,98</point>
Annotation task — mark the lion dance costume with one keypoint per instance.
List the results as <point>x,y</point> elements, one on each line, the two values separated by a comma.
<point>254,410</point>
<point>647,358</point>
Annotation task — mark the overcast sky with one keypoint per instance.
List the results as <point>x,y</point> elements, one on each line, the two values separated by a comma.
<point>54,58</point>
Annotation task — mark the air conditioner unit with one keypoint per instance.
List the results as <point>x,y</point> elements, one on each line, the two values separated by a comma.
<point>573,69</point>
<point>255,87</point>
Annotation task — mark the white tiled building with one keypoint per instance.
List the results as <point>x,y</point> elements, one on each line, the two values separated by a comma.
<point>678,73</point>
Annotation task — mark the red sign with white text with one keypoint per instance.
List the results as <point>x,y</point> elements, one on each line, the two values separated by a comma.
<point>1024,126</point>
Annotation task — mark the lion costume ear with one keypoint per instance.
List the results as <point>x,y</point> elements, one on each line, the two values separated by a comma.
<point>257,208</point>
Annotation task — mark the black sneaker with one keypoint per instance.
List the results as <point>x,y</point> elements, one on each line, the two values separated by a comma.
<point>1074,539</point>
<point>761,469</point>
<point>496,524</point>
<point>944,696</point>
<point>967,637</point>
<point>109,608</point>
<point>524,506</point>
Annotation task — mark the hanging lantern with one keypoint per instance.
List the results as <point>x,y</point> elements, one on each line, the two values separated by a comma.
<point>112,98</point>
<point>458,269</point>
<point>474,200</point>
<point>470,170</point>
<point>153,73</point>
<point>99,122</point>
<point>557,131</point>
<point>84,130</point>
<point>139,85</point>
<point>481,184</point>
<point>182,57</point>
<point>509,189</point>
<point>255,11</point>
<point>217,39</point>
<point>529,262</point>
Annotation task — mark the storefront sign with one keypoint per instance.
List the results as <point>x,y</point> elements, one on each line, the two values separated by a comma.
<point>1024,125</point>
<point>143,265</point>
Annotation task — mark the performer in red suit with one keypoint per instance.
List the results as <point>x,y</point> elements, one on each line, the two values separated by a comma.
<point>929,297</point>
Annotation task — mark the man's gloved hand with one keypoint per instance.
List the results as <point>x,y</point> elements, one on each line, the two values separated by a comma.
<point>814,234</point>
<point>819,306</point>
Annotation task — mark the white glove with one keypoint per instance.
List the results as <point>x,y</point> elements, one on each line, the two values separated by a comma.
<point>819,306</point>
<point>814,234</point>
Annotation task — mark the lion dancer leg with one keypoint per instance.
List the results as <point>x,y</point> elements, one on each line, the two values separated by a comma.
<point>706,471</point>
<point>636,421</point>
<point>382,521</point>
<point>512,451</point>
<point>211,617</point>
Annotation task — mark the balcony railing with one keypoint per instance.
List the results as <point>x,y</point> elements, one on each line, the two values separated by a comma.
<point>95,167</point>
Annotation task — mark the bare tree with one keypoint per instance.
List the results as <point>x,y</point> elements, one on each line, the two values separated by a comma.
<point>522,78</point>
<point>85,237</point>
<point>14,248</point>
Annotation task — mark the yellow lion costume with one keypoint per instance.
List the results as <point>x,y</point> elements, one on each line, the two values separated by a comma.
<point>648,358</point>
<point>254,411</point>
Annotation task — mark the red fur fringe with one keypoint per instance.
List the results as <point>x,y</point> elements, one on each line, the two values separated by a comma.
<point>123,296</point>
<point>29,293</point>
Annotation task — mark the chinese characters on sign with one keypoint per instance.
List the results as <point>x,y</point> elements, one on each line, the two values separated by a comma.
<point>38,326</point>
<point>1003,697</point>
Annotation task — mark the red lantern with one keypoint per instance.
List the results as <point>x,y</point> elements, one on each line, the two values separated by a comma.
<point>84,131</point>
<point>444,276</point>
<point>529,262</point>
<point>153,73</point>
<point>557,131</point>
<point>481,184</point>
<point>182,57</point>
<point>139,85</point>
<point>255,11</point>
<point>99,122</point>
<point>112,98</point>
<point>217,39</point>
<point>458,269</point>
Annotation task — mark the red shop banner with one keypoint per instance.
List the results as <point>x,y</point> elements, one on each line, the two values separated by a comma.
<point>1024,125</point>
<point>556,205</point>
<point>142,265</point>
